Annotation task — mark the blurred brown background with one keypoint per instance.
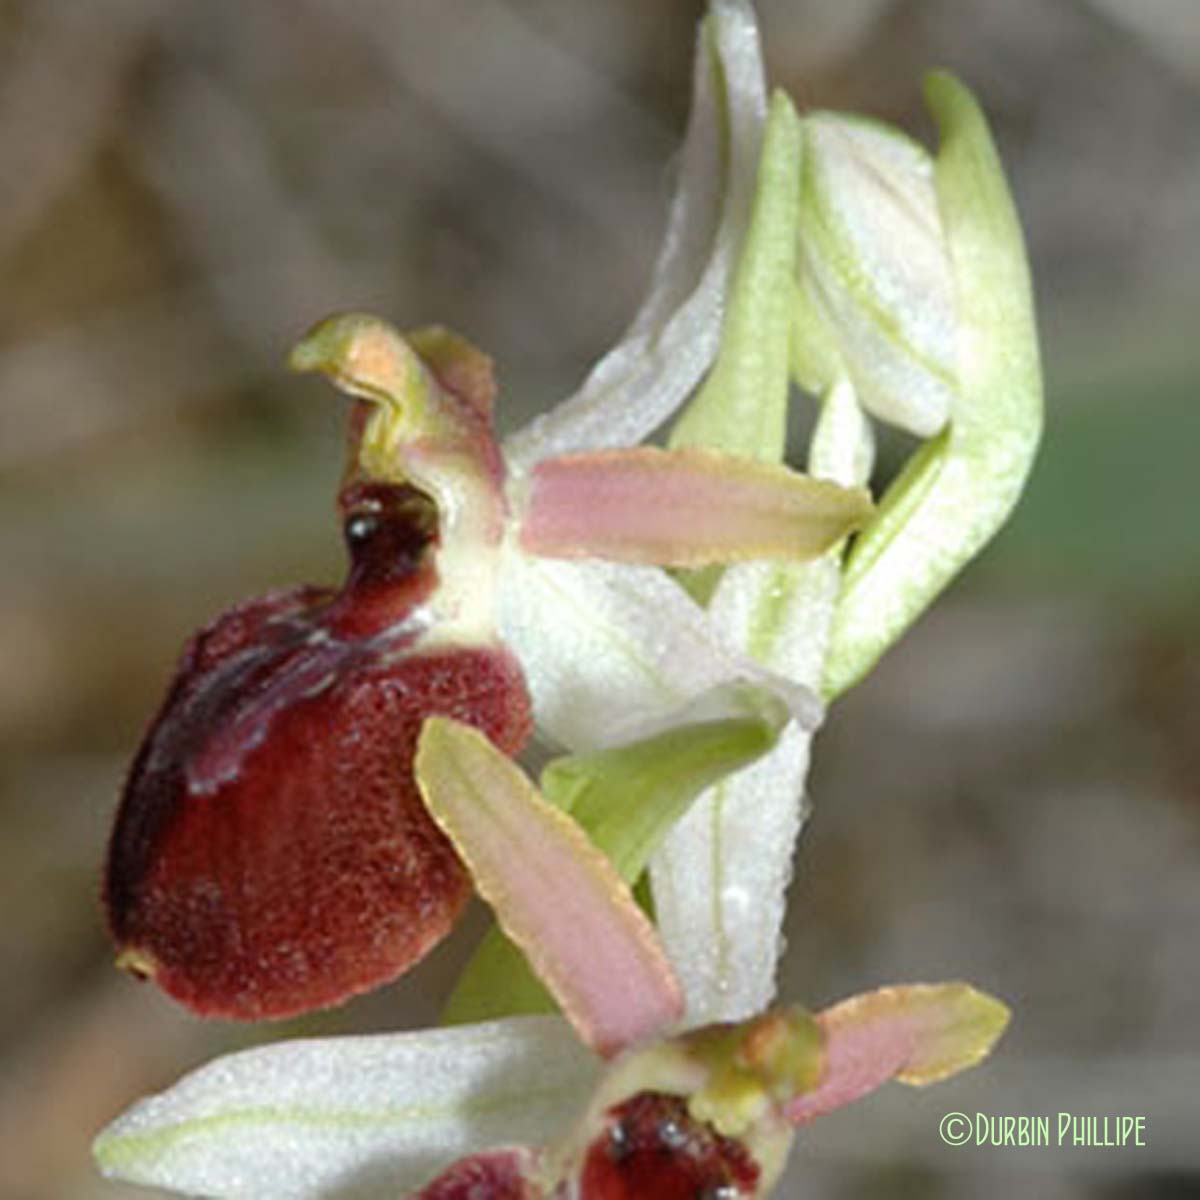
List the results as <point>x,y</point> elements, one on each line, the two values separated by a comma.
<point>1012,798</point>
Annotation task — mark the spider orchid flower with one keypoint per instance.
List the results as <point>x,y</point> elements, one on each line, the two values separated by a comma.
<point>271,853</point>
<point>710,1112</point>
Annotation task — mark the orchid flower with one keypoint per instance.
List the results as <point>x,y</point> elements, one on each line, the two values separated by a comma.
<point>331,773</point>
<point>712,1110</point>
<point>516,1109</point>
<point>271,853</point>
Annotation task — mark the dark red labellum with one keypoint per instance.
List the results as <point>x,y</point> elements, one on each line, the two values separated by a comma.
<point>496,1175</point>
<point>271,853</point>
<point>652,1147</point>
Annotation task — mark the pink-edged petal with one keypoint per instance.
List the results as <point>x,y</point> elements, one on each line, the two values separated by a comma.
<point>916,1034</point>
<point>682,508</point>
<point>554,893</point>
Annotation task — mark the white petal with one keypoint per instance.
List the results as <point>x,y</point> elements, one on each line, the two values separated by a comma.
<point>352,1117</point>
<point>610,650</point>
<point>675,335</point>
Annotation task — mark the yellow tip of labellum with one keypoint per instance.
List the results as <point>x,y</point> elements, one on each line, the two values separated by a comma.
<point>136,962</point>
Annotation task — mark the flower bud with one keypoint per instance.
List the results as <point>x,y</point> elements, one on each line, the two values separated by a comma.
<point>876,295</point>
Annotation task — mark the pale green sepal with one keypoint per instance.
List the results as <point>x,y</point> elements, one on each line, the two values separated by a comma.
<point>742,407</point>
<point>743,404</point>
<point>368,1117</point>
<point>626,799</point>
<point>957,493</point>
<point>782,612</point>
<point>904,497</point>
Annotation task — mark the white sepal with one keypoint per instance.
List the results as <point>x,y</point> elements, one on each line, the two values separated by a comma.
<point>720,881</point>
<point>720,884</point>
<point>674,337</point>
<point>359,1117</point>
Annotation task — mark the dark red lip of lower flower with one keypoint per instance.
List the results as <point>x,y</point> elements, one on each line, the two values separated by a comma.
<point>493,1175</point>
<point>653,1147</point>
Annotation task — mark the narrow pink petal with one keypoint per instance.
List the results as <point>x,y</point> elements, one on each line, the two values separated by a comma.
<point>916,1034</point>
<point>554,893</point>
<point>682,508</point>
